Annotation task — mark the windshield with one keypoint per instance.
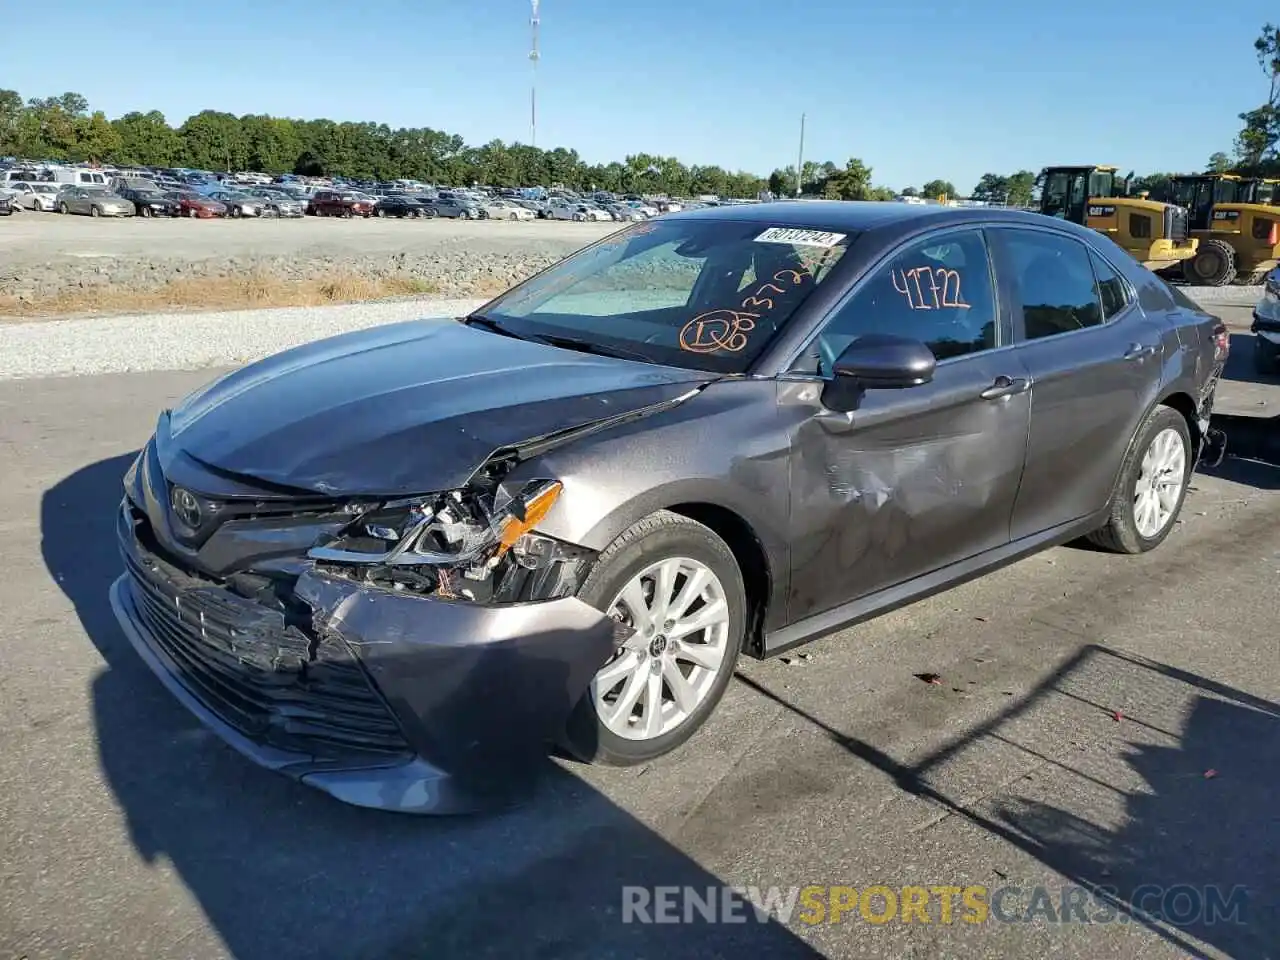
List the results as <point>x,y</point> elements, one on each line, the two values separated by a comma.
<point>43,188</point>
<point>706,294</point>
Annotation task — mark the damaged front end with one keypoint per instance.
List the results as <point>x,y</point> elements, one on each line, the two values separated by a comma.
<point>414,654</point>
<point>476,544</point>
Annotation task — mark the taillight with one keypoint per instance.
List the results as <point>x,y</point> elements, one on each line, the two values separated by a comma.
<point>1271,236</point>
<point>1222,339</point>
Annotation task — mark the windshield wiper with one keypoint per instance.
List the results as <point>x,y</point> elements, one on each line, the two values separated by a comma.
<point>477,320</point>
<point>589,346</point>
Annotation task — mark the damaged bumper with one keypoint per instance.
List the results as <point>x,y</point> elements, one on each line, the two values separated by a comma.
<point>380,698</point>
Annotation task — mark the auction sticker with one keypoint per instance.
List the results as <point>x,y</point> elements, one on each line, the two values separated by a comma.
<point>803,238</point>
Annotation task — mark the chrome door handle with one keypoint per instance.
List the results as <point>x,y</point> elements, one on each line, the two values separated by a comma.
<point>1137,351</point>
<point>1005,387</point>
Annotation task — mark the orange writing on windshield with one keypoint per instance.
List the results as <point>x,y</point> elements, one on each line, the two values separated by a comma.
<point>727,329</point>
<point>717,330</point>
<point>929,288</point>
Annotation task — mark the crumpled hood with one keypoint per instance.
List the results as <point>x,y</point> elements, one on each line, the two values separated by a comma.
<point>405,408</point>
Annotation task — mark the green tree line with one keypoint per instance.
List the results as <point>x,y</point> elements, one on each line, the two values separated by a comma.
<point>64,128</point>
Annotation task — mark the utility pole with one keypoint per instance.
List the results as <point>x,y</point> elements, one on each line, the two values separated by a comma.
<point>799,159</point>
<point>534,56</point>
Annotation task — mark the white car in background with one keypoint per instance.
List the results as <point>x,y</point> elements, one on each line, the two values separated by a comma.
<point>581,212</point>
<point>33,196</point>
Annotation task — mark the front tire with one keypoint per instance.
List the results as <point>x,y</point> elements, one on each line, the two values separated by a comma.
<point>1214,264</point>
<point>678,586</point>
<point>1152,486</point>
<point>95,211</point>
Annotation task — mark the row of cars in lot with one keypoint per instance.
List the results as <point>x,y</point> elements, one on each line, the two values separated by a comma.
<point>104,194</point>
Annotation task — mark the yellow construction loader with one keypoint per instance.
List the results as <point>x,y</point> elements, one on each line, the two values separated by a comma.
<point>1154,233</point>
<point>1236,221</point>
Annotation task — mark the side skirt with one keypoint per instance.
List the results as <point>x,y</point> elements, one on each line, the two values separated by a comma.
<point>882,601</point>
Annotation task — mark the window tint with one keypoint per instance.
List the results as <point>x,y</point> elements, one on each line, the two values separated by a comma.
<point>937,291</point>
<point>1115,292</point>
<point>1054,281</point>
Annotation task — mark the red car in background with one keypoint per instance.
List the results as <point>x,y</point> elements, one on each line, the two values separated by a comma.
<point>195,205</point>
<point>332,203</point>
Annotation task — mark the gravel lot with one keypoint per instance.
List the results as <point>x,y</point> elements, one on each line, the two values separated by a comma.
<point>48,348</point>
<point>44,254</point>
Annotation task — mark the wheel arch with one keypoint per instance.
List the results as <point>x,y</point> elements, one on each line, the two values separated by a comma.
<point>753,562</point>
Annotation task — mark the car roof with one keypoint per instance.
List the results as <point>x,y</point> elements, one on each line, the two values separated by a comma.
<point>855,216</point>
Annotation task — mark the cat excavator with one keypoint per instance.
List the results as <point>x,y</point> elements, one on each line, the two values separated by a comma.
<point>1154,233</point>
<point>1236,221</point>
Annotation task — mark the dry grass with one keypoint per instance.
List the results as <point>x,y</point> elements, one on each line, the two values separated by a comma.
<point>223,293</point>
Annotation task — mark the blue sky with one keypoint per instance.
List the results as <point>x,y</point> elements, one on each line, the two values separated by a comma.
<point>917,90</point>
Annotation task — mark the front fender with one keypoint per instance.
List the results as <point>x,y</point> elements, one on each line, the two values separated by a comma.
<point>725,447</point>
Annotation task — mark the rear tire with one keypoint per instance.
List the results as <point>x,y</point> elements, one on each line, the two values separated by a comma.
<point>95,211</point>
<point>1214,264</point>
<point>1141,476</point>
<point>658,540</point>
<point>63,208</point>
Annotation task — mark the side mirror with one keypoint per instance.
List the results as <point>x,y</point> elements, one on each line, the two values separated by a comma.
<point>878,362</point>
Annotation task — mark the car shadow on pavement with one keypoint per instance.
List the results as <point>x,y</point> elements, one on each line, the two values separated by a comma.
<point>1240,367</point>
<point>1199,821</point>
<point>281,871</point>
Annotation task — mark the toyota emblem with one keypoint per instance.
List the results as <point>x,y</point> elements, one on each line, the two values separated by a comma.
<point>186,507</point>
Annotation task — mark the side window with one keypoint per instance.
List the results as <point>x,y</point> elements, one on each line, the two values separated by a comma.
<point>1055,282</point>
<point>85,178</point>
<point>1114,291</point>
<point>937,291</point>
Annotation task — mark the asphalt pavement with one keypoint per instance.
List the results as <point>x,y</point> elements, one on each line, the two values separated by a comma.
<point>1076,719</point>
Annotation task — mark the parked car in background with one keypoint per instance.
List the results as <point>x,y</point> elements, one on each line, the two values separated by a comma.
<point>33,196</point>
<point>239,203</point>
<point>402,206</point>
<point>94,201</point>
<point>8,205</point>
<point>1266,326</point>
<point>277,203</point>
<point>452,206</point>
<point>580,212</point>
<point>151,201</point>
<point>192,204</point>
<point>333,203</point>
<point>621,211</point>
<point>506,210</point>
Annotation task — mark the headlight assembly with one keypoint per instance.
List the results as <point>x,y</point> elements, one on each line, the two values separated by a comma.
<point>460,545</point>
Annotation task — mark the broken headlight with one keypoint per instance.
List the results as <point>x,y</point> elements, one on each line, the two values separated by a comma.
<point>464,544</point>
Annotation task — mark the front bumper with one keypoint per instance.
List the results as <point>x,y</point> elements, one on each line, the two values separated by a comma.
<point>1266,324</point>
<point>380,699</point>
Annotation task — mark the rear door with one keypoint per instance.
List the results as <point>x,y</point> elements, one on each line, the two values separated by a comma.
<point>1094,361</point>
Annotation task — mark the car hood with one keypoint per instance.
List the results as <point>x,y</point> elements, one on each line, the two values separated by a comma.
<point>405,408</point>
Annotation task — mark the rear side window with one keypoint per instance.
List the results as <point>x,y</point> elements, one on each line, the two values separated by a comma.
<point>1114,292</point>
<point>1054,282</point>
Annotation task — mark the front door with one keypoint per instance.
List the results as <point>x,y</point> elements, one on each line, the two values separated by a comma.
<point>916,478</point>
<point>1093,359</point>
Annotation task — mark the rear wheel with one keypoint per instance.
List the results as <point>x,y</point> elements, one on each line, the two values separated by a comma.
<point>63,208</point>
<point>95,211</point>
<point>236,212</point>
<point>678,588</point>
<point>1214,264</point>
<point>1152,485</point>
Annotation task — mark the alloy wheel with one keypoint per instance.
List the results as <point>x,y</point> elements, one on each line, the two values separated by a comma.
<point>1159,485</point>
<point>680,618</point>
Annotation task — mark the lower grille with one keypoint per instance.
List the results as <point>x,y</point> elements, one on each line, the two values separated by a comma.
<point>263,676</point>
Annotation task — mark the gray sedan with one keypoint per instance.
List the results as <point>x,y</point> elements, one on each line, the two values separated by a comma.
<point>96,202</point>
<point>398,563</point>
